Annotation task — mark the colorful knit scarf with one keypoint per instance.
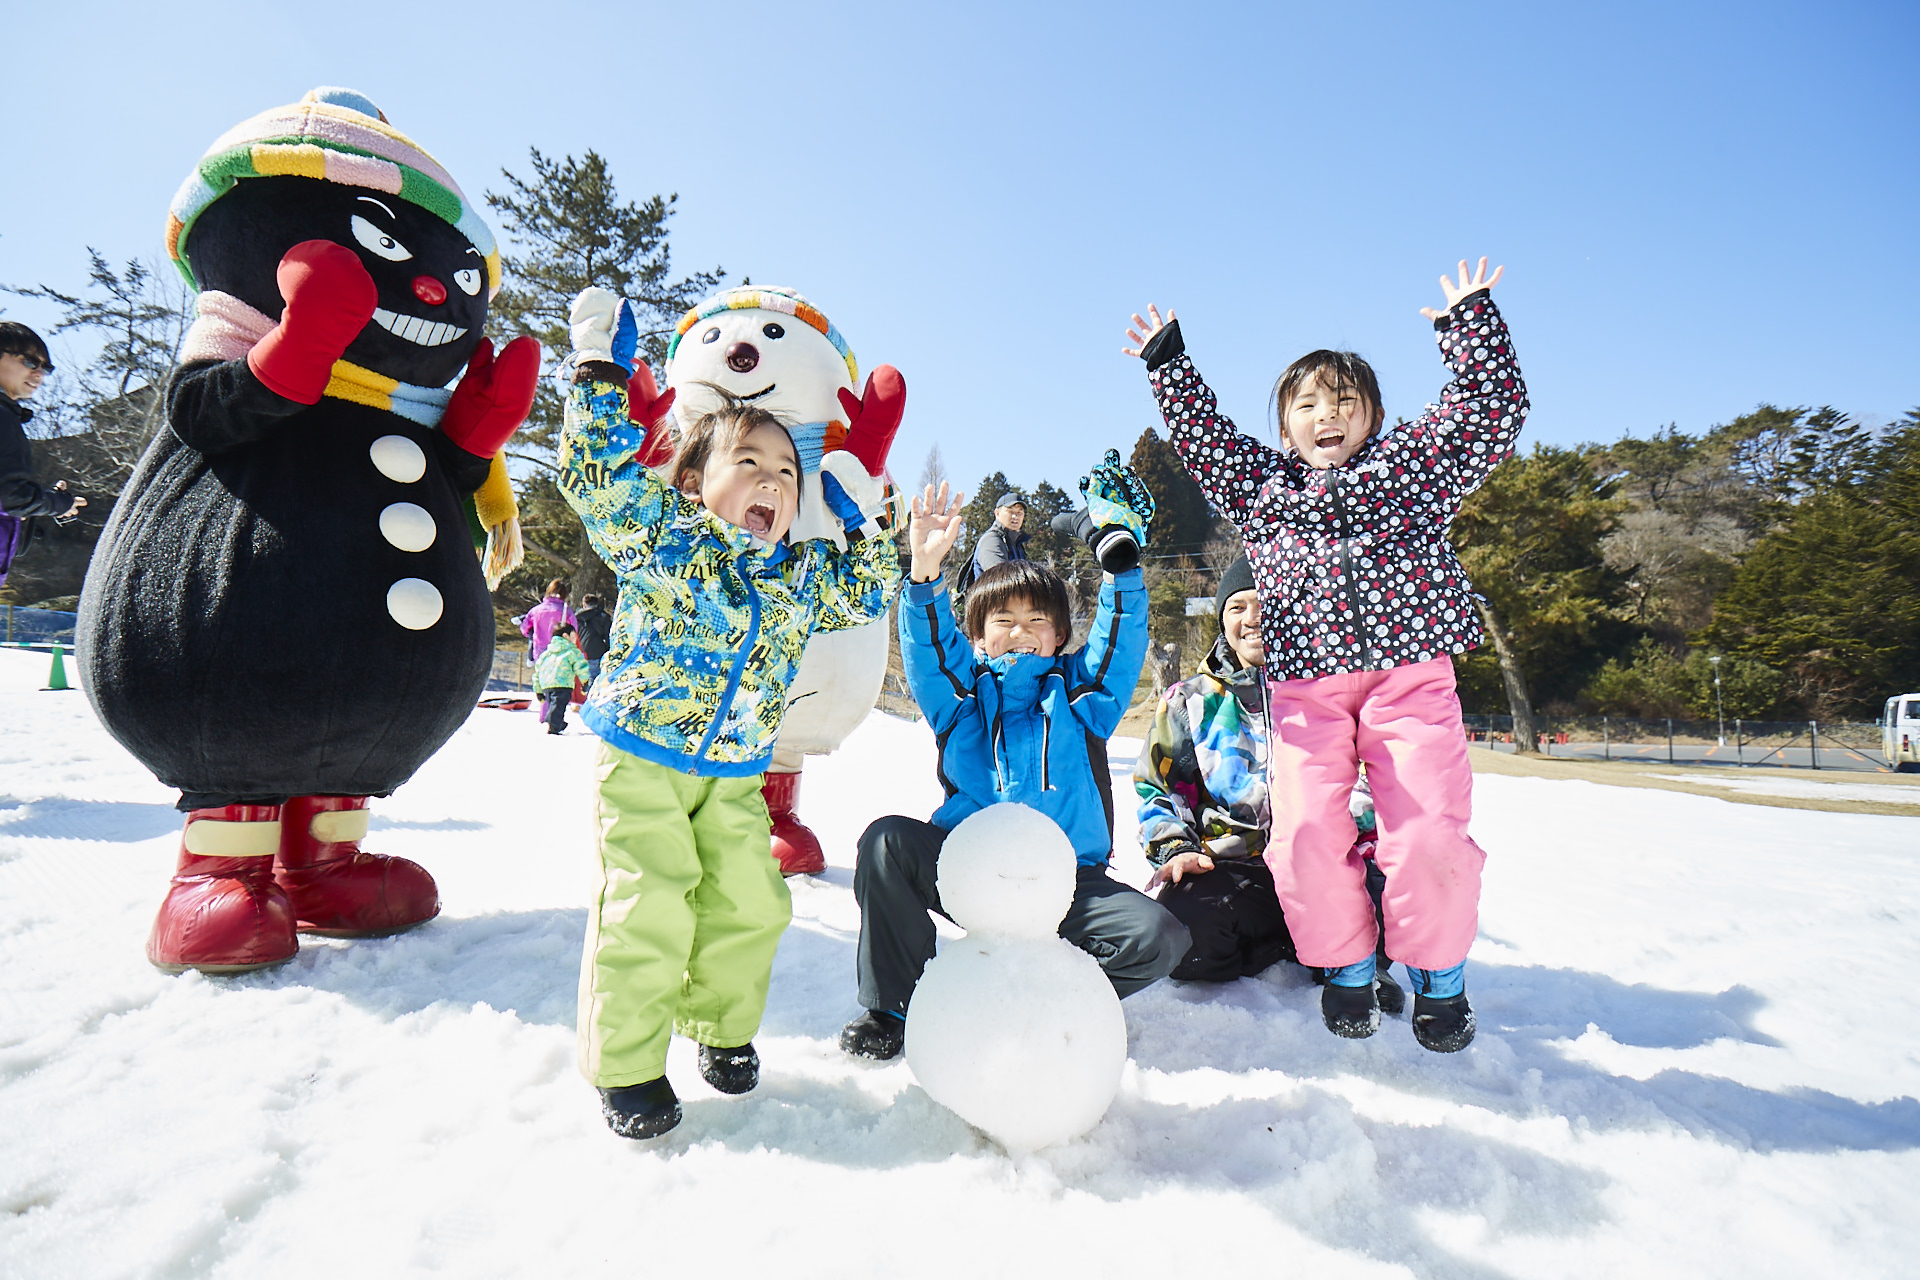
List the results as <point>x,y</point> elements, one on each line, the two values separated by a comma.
<point>225,328</point>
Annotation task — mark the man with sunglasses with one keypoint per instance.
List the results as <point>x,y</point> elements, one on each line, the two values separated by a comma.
<point>24,364</point>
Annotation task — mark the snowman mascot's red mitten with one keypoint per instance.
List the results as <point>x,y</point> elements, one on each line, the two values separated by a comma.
<point>773,347</point>
<point>285,615</point>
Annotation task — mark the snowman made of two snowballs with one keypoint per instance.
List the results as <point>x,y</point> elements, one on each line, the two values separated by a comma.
<point>1013,1028</point>
<point>286,615</point>
<point>774,349</point>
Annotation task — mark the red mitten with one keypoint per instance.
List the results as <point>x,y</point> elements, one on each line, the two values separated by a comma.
<point>329,299</point>
<point>648,406</point>
<point>493,396</point>
<point>874,419</point>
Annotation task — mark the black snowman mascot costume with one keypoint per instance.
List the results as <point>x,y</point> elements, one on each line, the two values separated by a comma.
<point>286,614</point>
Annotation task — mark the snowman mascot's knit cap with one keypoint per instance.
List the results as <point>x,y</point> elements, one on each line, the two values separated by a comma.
<point>787,302</point>
<point>335,135</point>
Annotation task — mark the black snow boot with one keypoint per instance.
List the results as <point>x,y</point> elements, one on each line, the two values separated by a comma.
<point>1443,1024</point>
<point>730,1070</point>
<point>1387,992</point>
<point>644,1110</point>
<point>875,1035</point>
<point>1351,1012</point>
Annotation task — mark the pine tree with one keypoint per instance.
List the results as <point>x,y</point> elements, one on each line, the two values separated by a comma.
<point>1183,523</point>
<point>1530,540</point>
<point>567,229</point>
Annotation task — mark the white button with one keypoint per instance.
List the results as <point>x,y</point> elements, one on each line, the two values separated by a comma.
<point>414,603</point>
<point>398,458</point>
<point>407,526</point>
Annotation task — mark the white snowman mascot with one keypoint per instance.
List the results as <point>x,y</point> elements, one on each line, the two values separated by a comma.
<point>1014,1029</point>
<point>772,347</point>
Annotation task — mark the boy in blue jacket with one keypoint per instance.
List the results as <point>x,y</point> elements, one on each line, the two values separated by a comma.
<point>1017,719</point>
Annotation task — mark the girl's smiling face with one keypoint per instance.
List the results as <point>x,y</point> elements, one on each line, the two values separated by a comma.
<point>1019,626</point>
<point>1327,425</point>
<point>755,484</point>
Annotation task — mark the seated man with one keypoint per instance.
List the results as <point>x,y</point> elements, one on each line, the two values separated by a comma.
<point>1204,809</point>
<point>1018,718</point>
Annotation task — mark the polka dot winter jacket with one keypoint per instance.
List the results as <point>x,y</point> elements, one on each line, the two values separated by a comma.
<point>1353,564</point>
<point>711,622</point>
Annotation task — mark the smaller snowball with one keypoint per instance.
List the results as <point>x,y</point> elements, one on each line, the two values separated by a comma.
<point>414,603</point>
<point>398,458</point>
<point>1008,869</point>
<point>407,526</point>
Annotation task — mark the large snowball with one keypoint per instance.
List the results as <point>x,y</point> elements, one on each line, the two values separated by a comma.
<point>1021,1038</point>
<point>1007,869</point>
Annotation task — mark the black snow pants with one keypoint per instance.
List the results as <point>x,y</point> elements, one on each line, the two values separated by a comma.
<point>1135,939</point>
<point>1235,918</point>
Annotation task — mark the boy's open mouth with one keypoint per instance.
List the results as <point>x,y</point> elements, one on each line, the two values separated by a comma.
<point>759,519</point>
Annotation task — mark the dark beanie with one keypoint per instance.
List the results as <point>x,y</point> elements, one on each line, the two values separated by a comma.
<point>1237,578</point>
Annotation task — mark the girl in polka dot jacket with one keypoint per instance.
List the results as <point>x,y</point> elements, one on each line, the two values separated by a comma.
<point>1363,604</point>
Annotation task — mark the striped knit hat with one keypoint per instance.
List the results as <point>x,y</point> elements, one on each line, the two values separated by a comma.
<point>336,135</point>
<point>787,302</point>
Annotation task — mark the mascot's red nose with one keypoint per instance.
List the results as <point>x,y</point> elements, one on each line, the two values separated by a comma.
<point>742,356</point>
<point>432,292</point>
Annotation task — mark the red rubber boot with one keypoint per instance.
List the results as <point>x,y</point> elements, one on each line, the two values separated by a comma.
<point>337,890</point>
<point>795,848</point>
<point>223,913</point>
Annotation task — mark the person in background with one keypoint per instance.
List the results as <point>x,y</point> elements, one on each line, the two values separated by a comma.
<point>1206,810</point>
<point>554,676</point>
<point>539,622</point>
<point>596,631</point>
<point>24,364</point>
<point>1002,543</point>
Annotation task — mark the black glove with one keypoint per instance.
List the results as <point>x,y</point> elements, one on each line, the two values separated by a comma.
<point>1112,545</point>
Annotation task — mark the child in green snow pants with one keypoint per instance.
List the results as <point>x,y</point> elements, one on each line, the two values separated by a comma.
<point>682,933</point>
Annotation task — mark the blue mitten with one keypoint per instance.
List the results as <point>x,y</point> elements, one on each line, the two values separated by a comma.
<point>1120,508</point>
<point>604,326</point>
<point>854,497</point>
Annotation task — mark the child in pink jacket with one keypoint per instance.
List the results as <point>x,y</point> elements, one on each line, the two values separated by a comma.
<point>539,623</point>
<point>1362,605</point>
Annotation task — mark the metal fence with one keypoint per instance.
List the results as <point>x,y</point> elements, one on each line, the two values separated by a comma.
<point>38,626</point>
<point>1793,744</point>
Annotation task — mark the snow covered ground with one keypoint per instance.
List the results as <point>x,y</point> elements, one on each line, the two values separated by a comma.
<point>1696,1058</point>
<point>1802,788</point>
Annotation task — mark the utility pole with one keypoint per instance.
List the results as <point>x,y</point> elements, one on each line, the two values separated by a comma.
<point>1719,712</point>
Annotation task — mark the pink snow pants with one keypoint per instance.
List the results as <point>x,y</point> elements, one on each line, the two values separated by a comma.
<point>1405,723</point>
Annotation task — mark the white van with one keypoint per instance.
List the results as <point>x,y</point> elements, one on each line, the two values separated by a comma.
<point>1900,733</point>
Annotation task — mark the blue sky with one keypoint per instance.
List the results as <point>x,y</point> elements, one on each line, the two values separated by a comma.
<point>1701,206</point>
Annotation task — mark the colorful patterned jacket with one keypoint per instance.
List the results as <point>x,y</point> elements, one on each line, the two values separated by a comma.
<point>1202,774</point>
<point>1353,565</point>
<point>711,622</point>
<point>560,665</point>
<point>1025,728</point>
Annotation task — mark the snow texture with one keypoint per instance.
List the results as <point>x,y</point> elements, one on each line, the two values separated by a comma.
<point>1012,1028</point>
<point>1679,1070</point>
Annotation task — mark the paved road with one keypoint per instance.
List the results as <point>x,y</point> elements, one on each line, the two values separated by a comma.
<point>1800,757</point>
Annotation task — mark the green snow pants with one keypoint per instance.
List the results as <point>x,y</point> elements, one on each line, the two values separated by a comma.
<point>690,909</point>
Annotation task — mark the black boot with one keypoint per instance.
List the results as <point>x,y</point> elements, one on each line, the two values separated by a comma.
<point>875,1035</point>
<point>1443,1024</point>
<point>730,1070</point>
<point>644,1110</point>
<point>1350,1011</point>
<point>1387,992</point>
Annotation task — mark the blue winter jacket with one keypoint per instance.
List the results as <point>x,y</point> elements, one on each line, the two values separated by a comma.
<point>1025,728</point>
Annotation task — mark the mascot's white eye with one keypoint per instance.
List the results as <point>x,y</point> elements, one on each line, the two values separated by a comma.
<point>773,331</point>
<point>378,241</point>
<point>711,335</point>
<point>468,280</point>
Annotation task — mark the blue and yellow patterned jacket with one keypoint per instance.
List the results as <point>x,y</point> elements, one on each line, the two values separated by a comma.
<point>711,621</point>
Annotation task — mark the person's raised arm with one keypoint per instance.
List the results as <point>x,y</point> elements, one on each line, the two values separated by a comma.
<point>938,660</point>
<point>1481,409</point>
<point>1229,466</point>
